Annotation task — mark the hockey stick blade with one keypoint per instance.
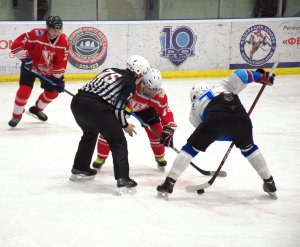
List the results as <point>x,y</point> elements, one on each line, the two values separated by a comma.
<point>193,188</point>
<point>208,173</point>
<point>220,174</point>
<point>211,181</point>
<point>203,172</point>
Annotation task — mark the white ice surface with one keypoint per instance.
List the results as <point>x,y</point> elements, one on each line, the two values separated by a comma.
<point>40,207</point>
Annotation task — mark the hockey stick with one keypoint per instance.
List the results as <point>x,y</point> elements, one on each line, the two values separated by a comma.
<point>204,172</point>
<point>48,80</point>
<point>211,181</point>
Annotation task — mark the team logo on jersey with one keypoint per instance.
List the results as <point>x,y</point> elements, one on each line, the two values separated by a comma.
<point>48,56</point>
<point>257,45</point>
<point>177,45</point>
<point>88,48</point>
<point>39,32</point>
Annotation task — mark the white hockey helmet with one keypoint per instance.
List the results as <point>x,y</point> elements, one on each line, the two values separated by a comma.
<point>151,82</point>
<point>198,89</point>
<point>138,65</point>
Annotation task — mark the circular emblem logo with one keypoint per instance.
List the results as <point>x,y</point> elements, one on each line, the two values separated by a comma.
<point>178,45</point>
<point>257,45</point>
<point>88,48</point>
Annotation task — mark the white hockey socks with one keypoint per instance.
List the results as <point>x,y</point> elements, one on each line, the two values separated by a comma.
<point>180,163</point>
<point>258,162</point>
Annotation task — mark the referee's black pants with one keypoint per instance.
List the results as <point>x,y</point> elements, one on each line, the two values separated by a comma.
<point>95,116</point>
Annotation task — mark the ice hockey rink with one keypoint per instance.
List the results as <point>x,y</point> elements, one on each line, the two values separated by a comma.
<point>39,206</point>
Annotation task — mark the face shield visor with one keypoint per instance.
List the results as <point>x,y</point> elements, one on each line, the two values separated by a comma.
<point>147,91</point>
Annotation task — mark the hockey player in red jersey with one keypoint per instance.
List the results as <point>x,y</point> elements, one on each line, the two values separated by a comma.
<point>150,103</point>
<point>257,39</point>
<point>44,50</point>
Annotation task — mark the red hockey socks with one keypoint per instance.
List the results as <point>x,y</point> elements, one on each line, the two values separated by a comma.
<point>45,98</point>
<point>102,148</point>
<point>22,96</point>
<point>157,148</point>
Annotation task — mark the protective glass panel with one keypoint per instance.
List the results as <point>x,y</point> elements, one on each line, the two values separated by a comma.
<point>16,10</point>
<point>122,10</point>
<point>188,9</point>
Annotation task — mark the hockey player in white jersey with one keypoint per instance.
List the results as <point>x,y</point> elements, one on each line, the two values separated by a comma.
<point>217,114</point>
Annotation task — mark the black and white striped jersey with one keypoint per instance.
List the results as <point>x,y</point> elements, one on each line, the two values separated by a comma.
<point>114,86</point>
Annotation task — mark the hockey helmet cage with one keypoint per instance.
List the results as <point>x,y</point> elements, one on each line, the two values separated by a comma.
<point>198,89</point>
<point>54,22</point>
<point>151,82</point>
<point>138,65</point>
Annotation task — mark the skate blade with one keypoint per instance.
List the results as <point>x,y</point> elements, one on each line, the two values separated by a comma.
<point>126,191</point>
<point>273,195</point>
<point>164,195</point>
<point>222,174</point>
<point>34,116</point>
<point>31,115</point>
<point>80,177</point>
<point>97,168</point>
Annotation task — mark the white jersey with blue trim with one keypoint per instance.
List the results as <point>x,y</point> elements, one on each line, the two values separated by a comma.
<point>200,103</point>
<point>238,80</point>
<point>235,84</point>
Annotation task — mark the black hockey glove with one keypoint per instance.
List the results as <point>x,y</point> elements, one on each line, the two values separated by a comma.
<point>59,83</point>
<point>265,79</point>
<point>167,136</point>
<point>26,64</point>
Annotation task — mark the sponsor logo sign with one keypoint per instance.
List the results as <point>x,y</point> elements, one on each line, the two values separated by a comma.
<point>292,41</point>
<point>178,45</point>
<point>257,45</point>
<point>88,48</point>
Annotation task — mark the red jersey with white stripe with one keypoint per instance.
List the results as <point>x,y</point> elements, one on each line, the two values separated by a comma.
<point>159,102</point>
<point>49,59</point>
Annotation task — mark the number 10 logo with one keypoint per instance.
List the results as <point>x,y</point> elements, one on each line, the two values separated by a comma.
<point>177,46</point>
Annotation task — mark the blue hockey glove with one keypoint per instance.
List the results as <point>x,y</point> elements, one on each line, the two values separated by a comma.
<point>265,79</point>
<point>59,83</point>
<point>26,64</point>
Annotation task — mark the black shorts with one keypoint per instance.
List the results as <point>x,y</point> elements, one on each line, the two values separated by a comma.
<point>223,120</point>
<point>28,78</point>
<point>238,127</point>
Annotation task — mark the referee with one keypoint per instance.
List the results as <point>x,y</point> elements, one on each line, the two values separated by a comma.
<point>98,107</point>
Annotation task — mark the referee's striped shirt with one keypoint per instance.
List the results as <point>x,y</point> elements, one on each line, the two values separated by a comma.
<point>116,87</point>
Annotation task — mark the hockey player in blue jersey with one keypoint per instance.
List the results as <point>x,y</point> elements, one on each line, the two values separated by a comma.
<point>218,114</point>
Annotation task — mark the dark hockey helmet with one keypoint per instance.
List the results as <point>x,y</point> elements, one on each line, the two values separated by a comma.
<point>54,22</point>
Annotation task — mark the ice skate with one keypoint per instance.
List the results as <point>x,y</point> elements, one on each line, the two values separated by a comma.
<point>14,122</point>
<point>166,188</point>
<point>33,111</point>
<point>270,188</point>
<point>126,186</point>
<point>83,175</point>
<point>98,163</point>
<point>161,163</point>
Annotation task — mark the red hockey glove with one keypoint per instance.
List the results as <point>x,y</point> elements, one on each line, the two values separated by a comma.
<point>265,79</point>
<point>167,136</point>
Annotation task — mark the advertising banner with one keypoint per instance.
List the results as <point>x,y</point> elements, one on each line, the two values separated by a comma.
<point>260,43</point>
<point>190,45</point>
